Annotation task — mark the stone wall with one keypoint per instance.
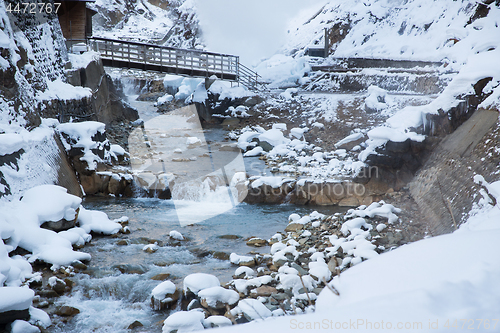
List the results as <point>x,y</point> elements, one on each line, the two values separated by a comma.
<point>444,189</point>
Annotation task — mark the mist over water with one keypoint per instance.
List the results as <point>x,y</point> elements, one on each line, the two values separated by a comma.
<point>251,29</point>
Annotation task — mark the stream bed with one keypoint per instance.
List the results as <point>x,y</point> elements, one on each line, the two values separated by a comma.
<point>115,289</point>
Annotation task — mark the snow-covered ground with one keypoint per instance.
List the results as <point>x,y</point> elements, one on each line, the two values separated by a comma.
<point>441,284</point>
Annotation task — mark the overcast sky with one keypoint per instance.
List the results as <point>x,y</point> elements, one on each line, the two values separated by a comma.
<point>252,29</point>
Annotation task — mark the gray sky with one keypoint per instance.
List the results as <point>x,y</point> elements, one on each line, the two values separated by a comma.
<point>252,29</point>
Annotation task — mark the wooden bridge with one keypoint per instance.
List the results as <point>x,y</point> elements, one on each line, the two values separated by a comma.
<point>125,54</point>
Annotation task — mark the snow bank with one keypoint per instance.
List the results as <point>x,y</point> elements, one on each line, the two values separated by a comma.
<point>82,60</point>
<point>61,90</point>
<point>10,143</point>
<point>41,200</point>
<point>92,220</point>
<point>15,298</point>
<point>20,222</point>
<point>422,286</point>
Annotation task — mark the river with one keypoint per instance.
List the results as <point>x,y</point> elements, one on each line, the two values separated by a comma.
<point>115,289</point>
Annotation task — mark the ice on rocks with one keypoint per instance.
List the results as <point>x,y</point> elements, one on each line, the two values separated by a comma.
<point>274,137</point>
<point>280,254</point>
<point>350,138</point>
<point>376,99</point>
<point>298,133</point>
<point>150,248</point>
<point>82,134</point>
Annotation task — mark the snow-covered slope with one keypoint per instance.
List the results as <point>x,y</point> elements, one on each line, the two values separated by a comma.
<point>431,30</point>
<point>171,23</point>
<point>433,285</point>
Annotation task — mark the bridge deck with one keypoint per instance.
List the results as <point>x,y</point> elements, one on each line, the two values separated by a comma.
<point>124,54</point>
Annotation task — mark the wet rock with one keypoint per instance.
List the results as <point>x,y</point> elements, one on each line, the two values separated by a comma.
<point>221,255</point>
<point>201,253</point>
<point>130,268</point>
<point>229,237</point>
<point>301,270</point>
<point>332,265</point>
<point>164,296</point>
<point>60,225</point>
<point>79,265</point>
<point>47,293</point>
<point>349,202</point>
<point>122,242</point>
<point>265,291</point>
<point>135,324</point>
<point>10,316</point>
<point>217,299</point>
<point>194,304</point>
<point>247,263</point>
<point>161,277</point>
<point>272,307</point>
<point>67,311</point>
<point>145,241</point>
<point>43,305</point>
<point>151,248</point>
<point>292,227</point>
<point>257,242</point>
<point>317,291</point>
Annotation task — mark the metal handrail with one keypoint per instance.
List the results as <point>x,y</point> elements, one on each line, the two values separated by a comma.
<point>145,54</point>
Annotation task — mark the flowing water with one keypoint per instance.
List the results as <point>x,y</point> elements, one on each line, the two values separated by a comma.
<point>109,300</point>
<point>115,289</point>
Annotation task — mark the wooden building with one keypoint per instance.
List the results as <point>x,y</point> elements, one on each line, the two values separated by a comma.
<point>75,20</point>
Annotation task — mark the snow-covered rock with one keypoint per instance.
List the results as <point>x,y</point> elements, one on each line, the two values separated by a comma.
<point>184,321</point>
<point>252,309</point>
<point>163,295</point>
<point>174,234</point>
<point>198,281</point>
<point>217,297</point>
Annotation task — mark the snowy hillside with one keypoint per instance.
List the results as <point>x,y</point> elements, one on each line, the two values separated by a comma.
<point>170,23</point>
<point>432,30</point>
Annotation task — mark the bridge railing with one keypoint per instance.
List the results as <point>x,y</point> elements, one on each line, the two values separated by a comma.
<point>164,56</point>
<point>174,60</point>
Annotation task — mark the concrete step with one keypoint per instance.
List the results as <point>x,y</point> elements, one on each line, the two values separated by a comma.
<point>394,80</point>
